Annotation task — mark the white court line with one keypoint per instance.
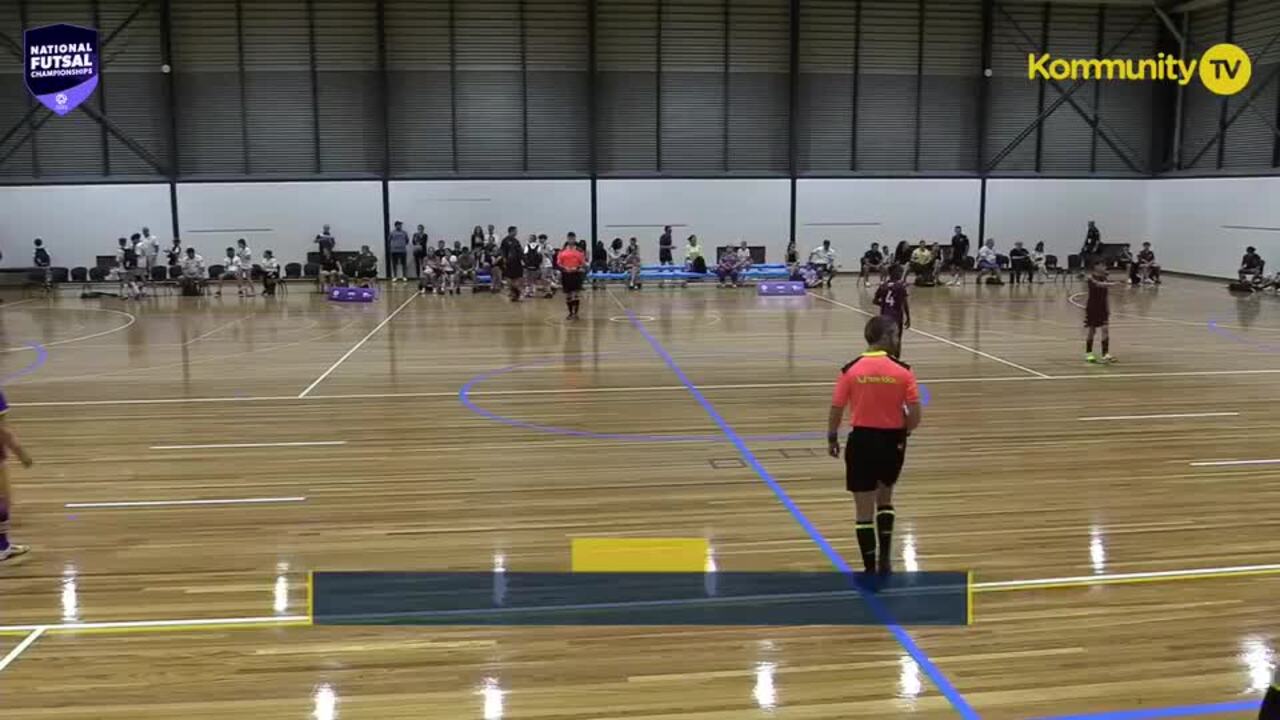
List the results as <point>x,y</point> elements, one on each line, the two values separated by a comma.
<point>218,329</point>
<point>205,622</point>
<point>1114,578</point>
<point>132,319</point>
<point>941,339</point>
<point>357,346</point>
<point>7,305</point>
<point>1101,375</point>
<point>306,443</point>
<point>27,642</point>
<point>168,503</point>
<point>1158,417</point>
<point>1226,463</point>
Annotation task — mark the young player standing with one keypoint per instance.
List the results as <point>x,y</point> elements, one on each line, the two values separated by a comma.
<point>8,444</point>
<point>1097,314</point>
<point>891,297</point>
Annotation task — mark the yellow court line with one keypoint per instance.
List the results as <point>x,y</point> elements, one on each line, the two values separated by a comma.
<point>1128,579</point>
<point>216,624</point>
<point>968,600</point>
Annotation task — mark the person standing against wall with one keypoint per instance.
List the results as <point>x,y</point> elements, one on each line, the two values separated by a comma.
<point>420,241</point>
<point>398,249</point>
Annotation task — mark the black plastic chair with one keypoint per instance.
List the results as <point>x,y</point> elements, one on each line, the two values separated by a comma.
<point>80,274</point>
<point>293,271</point>
<point>217,271</point>
<point>97,274</point>
<point>310,270</point>
<point>159,273</point>
<point>175,272</point>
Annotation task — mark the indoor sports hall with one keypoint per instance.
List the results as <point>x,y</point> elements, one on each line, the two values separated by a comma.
<point>318,486</point>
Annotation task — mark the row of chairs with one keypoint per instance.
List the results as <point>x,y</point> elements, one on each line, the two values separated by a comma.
<point>159,274</point>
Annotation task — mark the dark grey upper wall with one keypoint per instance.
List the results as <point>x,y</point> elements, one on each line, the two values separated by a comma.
<point>506,88</point>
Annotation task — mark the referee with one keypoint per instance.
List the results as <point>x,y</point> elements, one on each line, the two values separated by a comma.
<point>884,407</point>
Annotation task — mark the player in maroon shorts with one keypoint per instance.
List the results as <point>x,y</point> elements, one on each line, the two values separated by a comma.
<point>8,444</point>
<point>891,297</point>
<point>1097,314</point>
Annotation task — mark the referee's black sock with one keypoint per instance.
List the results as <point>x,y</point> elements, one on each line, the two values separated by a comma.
<point>1271,703</point>
<point>1106,346</point>
<point>866,532</point>
<point>884,529</point>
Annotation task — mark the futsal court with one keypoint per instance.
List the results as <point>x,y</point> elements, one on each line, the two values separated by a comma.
<point>197,458</point>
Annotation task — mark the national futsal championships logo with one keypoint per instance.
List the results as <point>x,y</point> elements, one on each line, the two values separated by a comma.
<point>1224,69</point>
<point>61,65</point>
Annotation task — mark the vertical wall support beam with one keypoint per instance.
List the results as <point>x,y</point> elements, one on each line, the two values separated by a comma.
<point>171,90</point>
<point>1226,99</point>
<point>384,106</point>
<point>315,85</point>
<point>244,94</point>
<point>524,90</point>
<point>915,162</point>
<point>657,86</point>
<point>1180,110</point>
<point>31,123</point>
<point>102,97</point>
<point>857,73</point>
<point>592,115</point>
<point>453,82</point>
<point>984,87</point>
<point>1097,89</point>
<point>1045,19</point>
<point>793,112</point>
<point>724,111</point>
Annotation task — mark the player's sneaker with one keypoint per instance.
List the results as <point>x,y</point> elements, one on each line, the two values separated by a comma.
<point>1090,358</point>
<point>1108,358</point>
<point>14,550</point>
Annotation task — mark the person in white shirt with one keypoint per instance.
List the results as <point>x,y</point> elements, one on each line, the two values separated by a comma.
<point>988,261</point>
<point>823,259</point>
<point>270,273</point>
<point>150,250</point>
<point>193,272</point>
<point>244,268</point>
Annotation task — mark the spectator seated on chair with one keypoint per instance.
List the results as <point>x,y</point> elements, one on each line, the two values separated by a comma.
<point>694,261</point>
<point>729,268</point>
<point>1148,270</point>
<point>988,263</point>
<point>872,262</point>
<point>1020,263</point>
<point>270,273</point>
<point>1040,263</point>
<point>365,269</point>
<point>824,259</point>
<point>921,264</point>
<point>194,276</point>
<point>1251,265</point>
<point>466,267</point>
<point>330,275</point>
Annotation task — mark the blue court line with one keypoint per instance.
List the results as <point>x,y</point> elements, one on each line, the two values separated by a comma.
<point>42,355</point>
<point>1167,712</point>
<point>901,635</point>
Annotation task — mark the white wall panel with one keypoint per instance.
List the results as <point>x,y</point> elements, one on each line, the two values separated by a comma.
<point>719,212</point>
<point>79,222</point>
<point>282,217</point>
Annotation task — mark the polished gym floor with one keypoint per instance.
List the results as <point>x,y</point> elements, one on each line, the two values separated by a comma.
<point>197,457</point>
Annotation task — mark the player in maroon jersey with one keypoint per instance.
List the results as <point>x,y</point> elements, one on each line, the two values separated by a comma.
<point>1097,314</point>
<point>891,297</point>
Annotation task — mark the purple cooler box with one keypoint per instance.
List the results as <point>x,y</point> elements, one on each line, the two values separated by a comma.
<point>783,287</point>
<point>350,294</point>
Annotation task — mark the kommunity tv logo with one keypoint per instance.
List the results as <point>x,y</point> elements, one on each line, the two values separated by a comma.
<point>1223,69</point>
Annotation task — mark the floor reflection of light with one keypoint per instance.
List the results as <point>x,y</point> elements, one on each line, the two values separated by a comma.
<point>909,562</point>
<point>1097,550</point>
<point>492,694</point>
<point>765,692</point>
<point>499,579</point>
<point>70,599</point>
<point>326,701</point>
<point>909,683</point>
<point>280,591</point>
<point>710,582</point>
<point>1259,661</point>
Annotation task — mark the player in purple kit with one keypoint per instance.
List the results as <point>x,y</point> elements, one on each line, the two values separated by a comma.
<point>8,444</point>
<point>1097,314</point>
<point>891,297</point>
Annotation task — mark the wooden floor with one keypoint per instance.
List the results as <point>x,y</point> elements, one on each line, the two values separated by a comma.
<point>1030,465</point>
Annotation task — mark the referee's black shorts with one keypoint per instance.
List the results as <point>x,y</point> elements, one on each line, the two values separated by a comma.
<point>873,457</point>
